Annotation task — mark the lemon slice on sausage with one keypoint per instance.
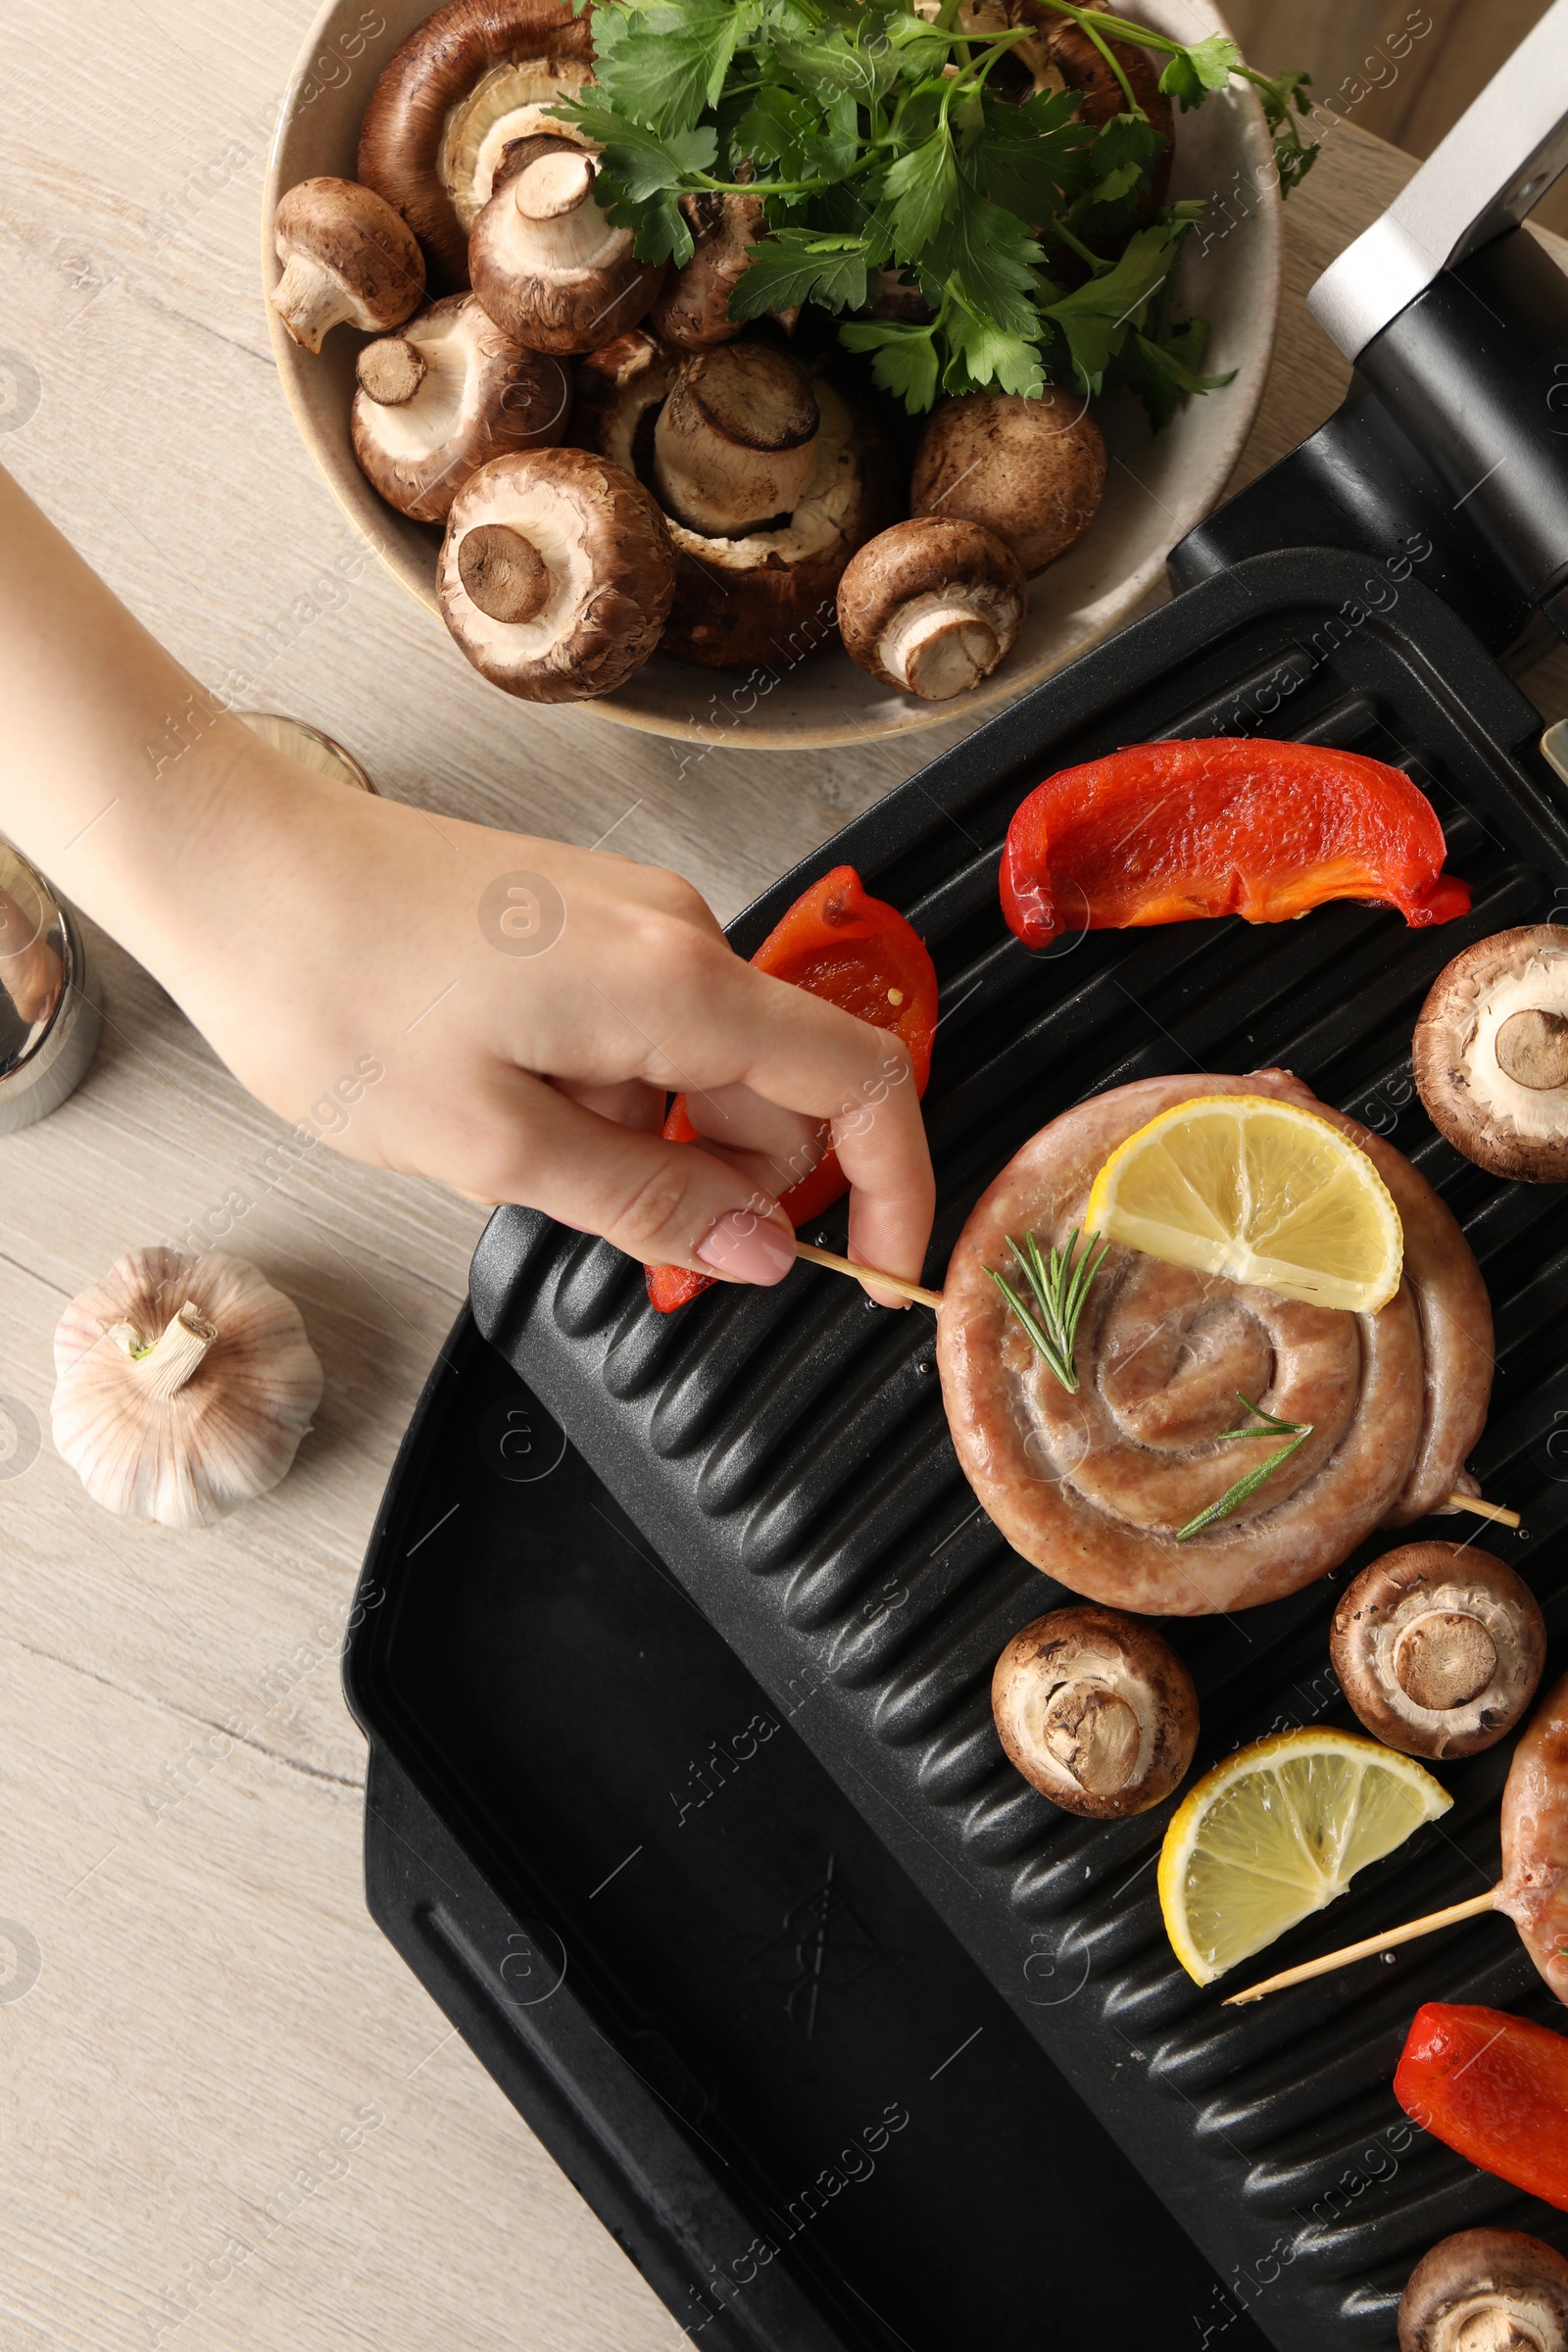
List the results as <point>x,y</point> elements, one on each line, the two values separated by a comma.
<point>1261,1191</point>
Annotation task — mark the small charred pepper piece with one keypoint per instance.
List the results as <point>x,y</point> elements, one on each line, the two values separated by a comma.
<point>1495,2087</point>
<point>856,952</point>
<point>1172,832</point>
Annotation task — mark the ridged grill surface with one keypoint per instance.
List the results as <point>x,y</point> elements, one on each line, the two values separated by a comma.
<point>788,1454</point>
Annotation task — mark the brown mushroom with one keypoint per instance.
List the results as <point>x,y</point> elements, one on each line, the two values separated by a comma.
<point>1096,1710</point>
<point>348,260</point>
<point>1485,2290</point>
<point>555,575</point>
<point>692,311</point>
<point>932,605</point>
<point>444,397</point>
<point>1060,56</point>
<point>546,259</point>
<point>754,595</point>
<point>1439,1649</point>
<point>735,444</point>
<point>1031,470</point>
<point>1490,1053</point>
<point>471,79</point>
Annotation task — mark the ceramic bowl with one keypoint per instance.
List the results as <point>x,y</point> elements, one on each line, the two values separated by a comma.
<point>1160,484</point>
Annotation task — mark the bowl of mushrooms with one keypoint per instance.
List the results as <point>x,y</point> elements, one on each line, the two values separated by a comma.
<point>667,444</point>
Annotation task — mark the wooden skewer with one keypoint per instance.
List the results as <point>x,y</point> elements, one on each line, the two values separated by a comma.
<point>847,1265</point>
<point>933,1298</point>
<point>1484,1510</point>
<point>1367,1947</point>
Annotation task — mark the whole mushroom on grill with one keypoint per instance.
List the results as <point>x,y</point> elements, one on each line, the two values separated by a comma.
<point>547,261</point>
<point>348,260</point>
<point>1485,2290</point>
<point>932,605</point>
<point>471,79</point>
<point>1030,470</point>
<point>1096,1710</point>
<point>444,397</point>
<point>1490,1053</point>
<point>1439,1649</point>
<point>555,575</point>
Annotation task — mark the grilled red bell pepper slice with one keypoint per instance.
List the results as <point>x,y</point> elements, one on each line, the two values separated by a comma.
<point>1494,2086</point>
<point>1168,832</point>
<point>861,955</point>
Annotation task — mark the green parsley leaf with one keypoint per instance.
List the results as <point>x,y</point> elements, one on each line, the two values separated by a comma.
<point>1031,158</point>
<point>1094,318</point>
<point>1163,374</point>
<point>921,187</point>
<point>671,59</point>
<point>1197,70</point>
<point>802,265</point>
<point>985,354</point>
<point>985,256</point>
<point>903,357</point>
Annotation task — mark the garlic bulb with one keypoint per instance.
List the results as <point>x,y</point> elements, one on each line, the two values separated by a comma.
<point>183,1386</point>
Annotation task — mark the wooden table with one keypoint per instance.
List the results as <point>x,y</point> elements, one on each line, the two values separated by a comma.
<point>232,2117</point>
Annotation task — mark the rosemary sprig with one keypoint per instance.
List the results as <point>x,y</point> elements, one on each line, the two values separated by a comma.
<point>1267,1425</point>
<point>1060,1288</point>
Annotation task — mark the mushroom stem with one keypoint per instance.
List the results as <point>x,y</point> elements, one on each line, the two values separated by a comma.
<point>735,444</point>
<point>1531,1049</point>
<point>941,650</point>
<point>555,185</point>
<point>310,301</point>
<point>1093,1736</point>
<point>503,573</point>
<point>1443,1660</point>
<point>391,372</point>
<point>165,1368</point>
<point>1368,1947</point>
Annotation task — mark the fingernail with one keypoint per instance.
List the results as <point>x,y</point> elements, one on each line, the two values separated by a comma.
<point>747,1248</point>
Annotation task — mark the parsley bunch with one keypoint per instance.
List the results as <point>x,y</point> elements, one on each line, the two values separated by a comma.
<point>876,139</point>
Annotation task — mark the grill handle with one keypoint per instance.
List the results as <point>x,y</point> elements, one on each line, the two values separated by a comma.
<point>1501,155</point>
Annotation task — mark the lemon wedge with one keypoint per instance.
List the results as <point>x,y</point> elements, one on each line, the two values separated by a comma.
<point>1258,1190</point>
<point>1275,1833</point>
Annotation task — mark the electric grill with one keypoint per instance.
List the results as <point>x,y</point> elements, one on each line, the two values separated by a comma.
<point>675,1633</point>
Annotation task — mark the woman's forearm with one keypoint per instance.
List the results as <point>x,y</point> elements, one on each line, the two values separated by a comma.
<point>89,705</point>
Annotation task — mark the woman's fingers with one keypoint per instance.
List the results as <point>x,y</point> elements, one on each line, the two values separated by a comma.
<point>822,1063</point>
<point>666,1204</point>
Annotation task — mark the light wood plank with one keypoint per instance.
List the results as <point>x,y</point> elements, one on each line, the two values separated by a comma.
<point>213,2000</point>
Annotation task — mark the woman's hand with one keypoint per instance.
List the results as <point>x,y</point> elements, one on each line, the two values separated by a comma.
<point>525,1006</point>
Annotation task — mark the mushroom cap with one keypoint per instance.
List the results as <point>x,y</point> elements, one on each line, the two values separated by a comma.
<point>767,599</point>
<point>1485,2290</point>
<point>470,79</point>
<point>1484,1072</point>
<point>479,394</point>
<point>735,443</point>
<point>1439,1649</point>
<point>692,311</point>
<point>547,261</point>
<point>932,605</point>
<point>1096,1710</point>
<point>601,540</point>
<point>1031,470</point>
<point>347,258</point>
